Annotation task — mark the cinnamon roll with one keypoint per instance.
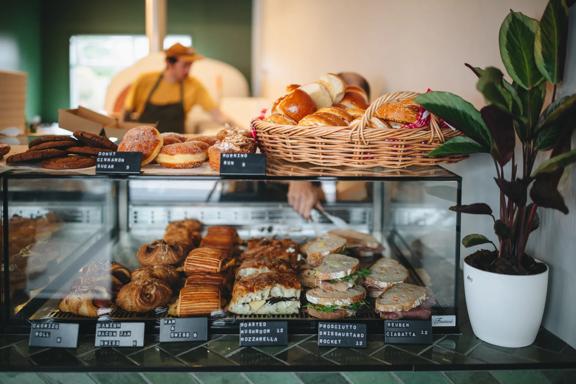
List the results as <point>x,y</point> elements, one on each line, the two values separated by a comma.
<point>160,252</point>
<point>165,273</point>
<point>144,295</point>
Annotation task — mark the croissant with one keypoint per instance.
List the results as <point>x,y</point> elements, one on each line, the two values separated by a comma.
<point>181,238</point>
<point>160,252</point>
<point>144,295</point>
<point>85,301</point>
<point>165,273</point>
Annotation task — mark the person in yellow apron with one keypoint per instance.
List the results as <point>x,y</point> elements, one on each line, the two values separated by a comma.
<point>166,97</point>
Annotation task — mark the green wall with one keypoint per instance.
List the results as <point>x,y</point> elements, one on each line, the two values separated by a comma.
<point>220,29</point>
<point>20,27</point>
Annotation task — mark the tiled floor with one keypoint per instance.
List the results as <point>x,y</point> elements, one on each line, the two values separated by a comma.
<point>452,377</point>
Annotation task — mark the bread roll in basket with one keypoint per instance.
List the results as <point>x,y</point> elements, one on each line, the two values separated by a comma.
<point>363,143</point>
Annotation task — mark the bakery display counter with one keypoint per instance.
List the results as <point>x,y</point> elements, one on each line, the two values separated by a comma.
<point>231,250</point>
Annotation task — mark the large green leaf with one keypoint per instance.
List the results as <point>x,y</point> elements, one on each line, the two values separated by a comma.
<point>517,35</point>
<point>551,135</point>
<point>550,41</point>
<point>490,85</point>
<point>458,113</point>
<point>459,145</point>
<point>556,163</point>
<point>532,101</point>
<point>474,239</point>
<point>559,110</point>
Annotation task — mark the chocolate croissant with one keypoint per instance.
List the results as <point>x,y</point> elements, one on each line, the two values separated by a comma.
<point>165,273</point>
<point>159,252</point>
<point>85,301</point>
<point>144,295</point>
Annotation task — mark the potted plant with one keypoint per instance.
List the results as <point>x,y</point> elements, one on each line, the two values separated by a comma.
<point>505,287</point>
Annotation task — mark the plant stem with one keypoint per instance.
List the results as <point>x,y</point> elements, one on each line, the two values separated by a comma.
<point>554,92</point>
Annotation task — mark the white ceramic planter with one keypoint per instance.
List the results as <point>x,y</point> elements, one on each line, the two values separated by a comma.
<point>505,310</point>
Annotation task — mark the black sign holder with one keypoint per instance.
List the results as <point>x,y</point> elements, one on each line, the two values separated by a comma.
<point>53,334</point>
<point>342,335</point>
<point>183,329</point>
<point>118,163</point>
<point>408,331</point>
<point>242,164</point>
<point>263,333</point>
<point>119,334</point>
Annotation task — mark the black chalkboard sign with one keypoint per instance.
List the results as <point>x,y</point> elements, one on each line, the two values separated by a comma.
<point>127,163</point>
<point>53,335</point>
<point>242,164</point>
<point>262,333</point>
<point>185,329</point>
<point>408,331</point>
<point>336,334</point>
<point>119,334</point>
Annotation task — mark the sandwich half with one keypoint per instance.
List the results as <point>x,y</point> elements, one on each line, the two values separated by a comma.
<point>338,273</point>
<point>270,293</point>
<point>331,305</point>
<point>403,301</point>
<point>384,274</point>
<point>322,246</point>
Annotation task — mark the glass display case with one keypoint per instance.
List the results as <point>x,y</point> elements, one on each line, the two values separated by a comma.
<point>63,232</point>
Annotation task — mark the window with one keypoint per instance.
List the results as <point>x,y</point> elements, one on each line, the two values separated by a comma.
<point>95,59</point>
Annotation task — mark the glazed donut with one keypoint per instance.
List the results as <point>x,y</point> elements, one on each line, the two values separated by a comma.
<point>144,139</point>
<point>165,273</point>
<point>210,140</point>
<point>190,154</point>
<point>160,252</point>
<point>172,138</point>
<point>144,295</point>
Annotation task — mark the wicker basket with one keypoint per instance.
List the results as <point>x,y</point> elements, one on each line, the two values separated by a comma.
<point>356,145</point>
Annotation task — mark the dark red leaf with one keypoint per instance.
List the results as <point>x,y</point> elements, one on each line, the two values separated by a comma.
<point>501,127</point>
<point>516,190</point>
<point>544,192</point>
<point>474,209</point>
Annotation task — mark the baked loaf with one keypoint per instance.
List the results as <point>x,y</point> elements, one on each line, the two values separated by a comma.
<point>189,154</point>
<point>221,237</point>
<point>295,105</point>
<point>160,252</point>
<point>144,295</point>
<point>404,112</point>
<point>144,139</point>
<point>266,294</point>
<point>165,273</point>
<point>194,300</point>
<point>278,118</point>
<point>206,278</point>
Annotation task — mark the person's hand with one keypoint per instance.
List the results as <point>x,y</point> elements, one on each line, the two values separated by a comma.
<point>303,196</point>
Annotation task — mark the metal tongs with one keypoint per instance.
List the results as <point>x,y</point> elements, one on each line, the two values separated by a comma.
<point>340,223</point>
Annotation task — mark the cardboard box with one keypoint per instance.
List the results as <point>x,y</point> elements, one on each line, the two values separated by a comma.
<point>88,120</point>
<point>13,100</point>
